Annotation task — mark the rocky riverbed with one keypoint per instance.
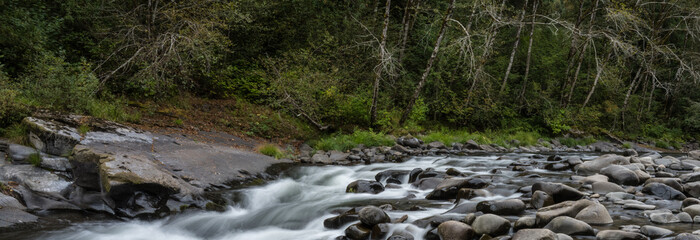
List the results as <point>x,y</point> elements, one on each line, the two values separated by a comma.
<point>116,182</point>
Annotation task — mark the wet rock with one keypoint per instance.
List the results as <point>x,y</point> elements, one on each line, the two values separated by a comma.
<point>621,175</point>
<point>357,232</point>
<point>454,230</point>
<point>561,236</point>
<point>12,212</point>
<point>453,172</point>
<point>606,187</point>
<point>448,188</point>
<point>427,183</point>
<point>400,235</point>
<point>340,220</point>
<point>618,196</point>
<point>558,191</point>
<point>663,218</point>
<point>413,174</point>
<point>541,199</point>
<point>409,142</point>
<point>619,235</point>
<point>372,215</point>
<point>321,157</point>
<point>569,226</point>
<point>694,154</point>
<point>364,186</point>
<point>635,206</point>
<point>436,144</point>
<point>693,189</point>
<point>525,222</point>
<point>655,232</point>
<point>491,225</point>
<point>20,154</point>
<point>693,210</point>
<point>337,156</point>
<point>686,236</point>
<point>663,191</point>
<point>595,214</point>
<point>671,182</point>
<point>568,208</point>
<point>472,145</point>
<point>396,174</point>
<point>690,177</point>
<point>468,193</point>
<point>503,207</point>
<point>557,166</point>
<point>684,217</point>
<point>380,231</point>
<point>629,153</point>
<point>595,165</point>
<point>534,234</point>
<point>436,220</point>
<point>55,163</point>
<point>689,202</point>
<point>666,161</point>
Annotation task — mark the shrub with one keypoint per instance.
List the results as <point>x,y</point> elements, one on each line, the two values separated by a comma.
<point>17,133</point>
<point>271,150</point>
<point>343,142</point>
<point>34,159</point>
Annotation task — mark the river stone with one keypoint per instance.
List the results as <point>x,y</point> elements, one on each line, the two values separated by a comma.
<point>561,236</point>
<point>436,220</point>
<point>570,226</point>
<point>340,220</point>
<point>618,196</point>
<point>454,230</point>
<point>36,179</point>
<point>684,217</point>
<point>663,218</point>
<point>619,235</point>
<point>525,222</point>
<point>541,199</point>
<point>413,174</point>
<point>686,236</point>
<point>436,144</point>
<point>558,191</point>
<point>635,206</point>
<point>621,175</point>
<point>689,202</point>
<point>448,188</point>
<point>372,215</point>
<point>595,165</point>
<point>502,207</point>
<point>427,183</point>
<point>468,193</point>
<point>568,208</point>
<point>364,186</point>
<point>666,161</point>
<point>593,179</point>
<point>384,175</point>
<point>663,191</point>
<point>491,225</point>
<point>411,142</point>
<point>693,210</point>
<point>10,217</point>
<point>690,177</point>
<point>671,182</point>
<point>534,234</point>
<point>595,214</point>
<point>694,154</point>
<point>654,232</point>
<point>606,187</point>
<point>693,189</point>
<point>357,232</point>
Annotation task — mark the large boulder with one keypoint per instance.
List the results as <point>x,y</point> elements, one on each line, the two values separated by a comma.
<point>694,154</point>
<point>569,208</point>
<point>20,154</point>
<point>693,210</point>
<point>654,232</point>
<point>541,199</point>
<point>340,220</point>
<point>690,177</point>
<point>671,182</point>
<point>357,232</point>
<point>558,191</point>
<point>595,165</point>
<point>502,207</point>
<point>454,230</point>
<point>364,186</point>
<point>372,215</point>
<point>534,234</point>
<point>621,175</point>
<point>595,214</point>
<point>692,189</point>
<point>12,212</point>
<point>52,137</point>
<point>663,191</point>
<point>448,188</point>
<point>491,225</point>
<point>570,226</point>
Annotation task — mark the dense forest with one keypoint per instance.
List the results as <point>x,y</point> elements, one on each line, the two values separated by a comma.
<point>624,67</point>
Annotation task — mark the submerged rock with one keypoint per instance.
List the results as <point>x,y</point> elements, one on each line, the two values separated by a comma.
<point>364,186</point>
<point>503,207</point>
<point>372,215</point>
<point>558,191</point>
<point>454,230</point>
<point>448,188</point>
<point>663,191</point>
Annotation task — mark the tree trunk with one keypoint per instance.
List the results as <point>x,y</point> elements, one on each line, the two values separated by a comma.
<point>382,56</point>
<point>404,32</point>
<point>627,96</point>
<point>412,102</point>
<point>583,52</point>
<point>572,51</point>
<point>599,69</point>
<point>529,51</point>
<point>515,48</point>
<point>490,36</point>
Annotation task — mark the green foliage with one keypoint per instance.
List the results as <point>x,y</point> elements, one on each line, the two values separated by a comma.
<point>17,133</point>
<point>178,122</point>
<point>271,150</point>
<point>35,159</point>
<point>501,138</point>
<point>692,119</point>
<point>83,129</point>
<point>627,145</point>
<point>573,142</point>
<point>112,110</point>
<point>56,84</point>
<point>343,142</point>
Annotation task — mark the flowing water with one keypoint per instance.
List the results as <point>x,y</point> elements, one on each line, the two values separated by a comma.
<point>295,206</point>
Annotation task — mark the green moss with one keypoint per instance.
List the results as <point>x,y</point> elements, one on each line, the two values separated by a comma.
<point>35,159</point>
<point>83,129</point>
<point>271,150</point>
<point>178,122</point>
